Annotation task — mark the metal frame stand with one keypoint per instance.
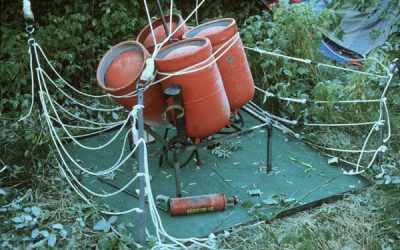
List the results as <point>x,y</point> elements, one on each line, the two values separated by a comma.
<point>179,144</point>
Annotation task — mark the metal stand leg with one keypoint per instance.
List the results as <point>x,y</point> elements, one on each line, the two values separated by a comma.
<point>197,155</point>
<point>177,173</point>
<point>269,148</point>
<point>142,182</point>
<point>164,149</point>
<point>180,141</point>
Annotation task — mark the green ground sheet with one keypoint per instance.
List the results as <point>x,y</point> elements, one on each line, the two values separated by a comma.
<point>299,173</point>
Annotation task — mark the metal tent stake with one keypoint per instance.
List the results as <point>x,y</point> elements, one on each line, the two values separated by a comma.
<point>142,182</point>
<point>269,148</point>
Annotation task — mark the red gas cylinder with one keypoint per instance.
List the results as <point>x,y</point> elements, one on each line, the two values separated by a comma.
<point>118,72</point>
<point>233,65</point>
<point>145,37</point>
<point>204,99</point>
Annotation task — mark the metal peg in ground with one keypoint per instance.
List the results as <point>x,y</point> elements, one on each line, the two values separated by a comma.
<point>233,65</point>
<point>204,99</point>
<point>145,36</point>
<point>118,72</point>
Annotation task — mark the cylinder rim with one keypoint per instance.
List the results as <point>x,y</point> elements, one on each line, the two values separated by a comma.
<point>177,44</point>
<point>146,30</point>
<point>105,62</point>
<point>197,29</point>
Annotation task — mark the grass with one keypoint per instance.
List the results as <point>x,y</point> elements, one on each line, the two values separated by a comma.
<point>369,220</point>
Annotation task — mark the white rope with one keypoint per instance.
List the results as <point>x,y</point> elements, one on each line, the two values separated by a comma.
<point>84,146</point>
<point>99,194</point>
<point>82,127</point>
<point>57,141</point>
<point>351,172</point>
<point>348,101</point>
<point>53,134</point>
<point>304,101</point>
<point>338,124</point>
<point>315,145</point>
<point>90,134</point>
<point>388,122</point>
<point>132,113</point>
<point>62,79</point>
<point>73,99</point>
<point>376,127</point>
<point>81,118</point>
<point>76,189</point>
<point>295,122</point>
<point>307,61</point>
<point>104,172</point>
<point>341,150</point>
<point>120,161</point>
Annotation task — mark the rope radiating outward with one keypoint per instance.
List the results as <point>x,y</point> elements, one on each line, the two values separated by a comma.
<point>53,112</point>
<point>376,125</point>
<point>318,64</point>
<point>56,114</point>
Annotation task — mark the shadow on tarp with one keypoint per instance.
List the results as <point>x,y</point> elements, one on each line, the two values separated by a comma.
<point>300,173</point>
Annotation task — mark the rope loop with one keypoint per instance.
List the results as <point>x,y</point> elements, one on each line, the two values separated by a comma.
<point>30,29</point>
<point>31,41</point>
<point>379,123</point>
<point>382,149</point>
<point>134,110</point>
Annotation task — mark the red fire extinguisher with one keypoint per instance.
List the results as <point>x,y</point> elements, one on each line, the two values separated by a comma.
<point>199,204</point>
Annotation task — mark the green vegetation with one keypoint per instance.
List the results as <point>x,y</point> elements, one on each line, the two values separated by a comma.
<point>37,205</point>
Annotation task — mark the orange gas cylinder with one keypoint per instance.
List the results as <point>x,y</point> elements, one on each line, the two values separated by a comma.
<point>233,65</point>
<point>199,204</point>
<point>145,37</point>
<point>204,99</point>
<point>118,72</point>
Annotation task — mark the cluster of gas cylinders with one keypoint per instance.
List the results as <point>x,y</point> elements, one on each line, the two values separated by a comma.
<point>211,95</point>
